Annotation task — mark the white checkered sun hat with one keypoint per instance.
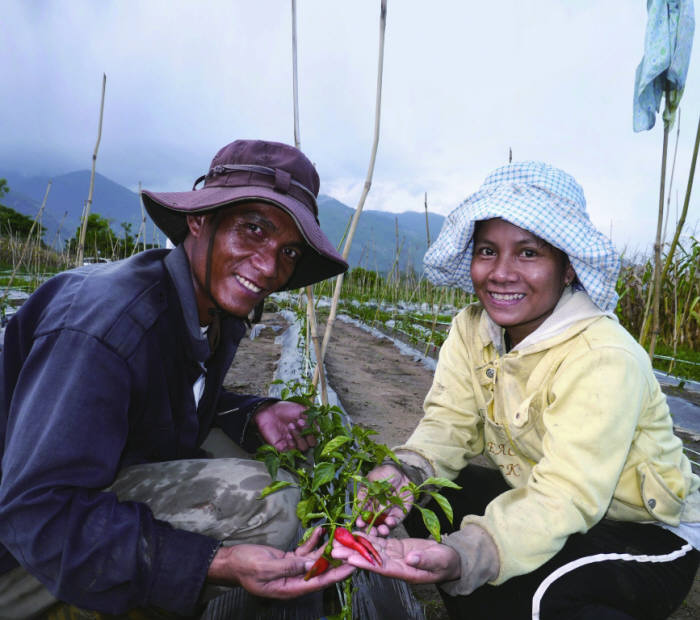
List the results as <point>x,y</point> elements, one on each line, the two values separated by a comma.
<point>543,200</point>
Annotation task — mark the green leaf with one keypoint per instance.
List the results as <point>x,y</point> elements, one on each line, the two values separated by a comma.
<point>305,506</point>
<point>441,482</point>
<point>323,474</point>
<point>431,522</point>
<point>335,443</point>
<point>264,449</point>
<point>443,502</point>
<point>272,463</point>
<point>301,400</point>
<point>275,486</point>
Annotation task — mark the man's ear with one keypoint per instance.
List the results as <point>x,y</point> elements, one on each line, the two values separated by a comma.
<point>196,224</point>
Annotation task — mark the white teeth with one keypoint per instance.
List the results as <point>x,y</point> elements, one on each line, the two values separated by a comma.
<point>248,284</point>
<point>507,296</point>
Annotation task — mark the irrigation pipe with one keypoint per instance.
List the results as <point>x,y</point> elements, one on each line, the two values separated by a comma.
<point>86,211</point>
<point>363,197</point>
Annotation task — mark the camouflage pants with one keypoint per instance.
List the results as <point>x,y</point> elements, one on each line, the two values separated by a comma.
<point>217,497</point>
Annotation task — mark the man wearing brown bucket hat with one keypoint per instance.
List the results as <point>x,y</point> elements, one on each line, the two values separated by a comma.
<point>112,381</point>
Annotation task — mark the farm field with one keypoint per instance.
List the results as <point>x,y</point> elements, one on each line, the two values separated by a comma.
<point>380,388</point>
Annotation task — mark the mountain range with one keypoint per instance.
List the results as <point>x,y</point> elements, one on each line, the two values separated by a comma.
<point>374,245</point>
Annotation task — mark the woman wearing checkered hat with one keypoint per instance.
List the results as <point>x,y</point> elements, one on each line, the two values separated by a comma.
<point>588,508</point>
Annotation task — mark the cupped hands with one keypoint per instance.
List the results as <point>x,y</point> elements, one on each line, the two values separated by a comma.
<point>271,573</point>
<point>415,560</point>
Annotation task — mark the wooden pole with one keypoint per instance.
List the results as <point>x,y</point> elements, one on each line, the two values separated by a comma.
<point>143,218</point>
<point>427,223</point>
<point>58,232</point>
<point>365,191</point>
<point>86,211</point>
<point>686,204</point>
<point>142,228</point>
<point>27,241</point>
<point>295,81</point>
<point>657,250</point>
<point>310,308</point>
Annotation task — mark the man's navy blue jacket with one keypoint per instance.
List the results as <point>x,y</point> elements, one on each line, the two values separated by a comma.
<point>97,374</point>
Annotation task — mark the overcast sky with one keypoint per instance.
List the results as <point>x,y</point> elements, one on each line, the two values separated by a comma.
<point>464,81</point>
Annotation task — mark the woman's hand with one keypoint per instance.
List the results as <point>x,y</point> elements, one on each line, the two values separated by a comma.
<point>415,560</point>
<point>271,573</point>
<point>392,515</point>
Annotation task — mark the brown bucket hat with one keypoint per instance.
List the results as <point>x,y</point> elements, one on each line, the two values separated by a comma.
<point>248,170</point>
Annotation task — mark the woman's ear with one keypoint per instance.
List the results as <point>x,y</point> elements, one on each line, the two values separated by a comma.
<point>569,274</point>
<point>196,224</point>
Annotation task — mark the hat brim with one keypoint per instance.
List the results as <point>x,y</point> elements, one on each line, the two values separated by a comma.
<point>169,211</point>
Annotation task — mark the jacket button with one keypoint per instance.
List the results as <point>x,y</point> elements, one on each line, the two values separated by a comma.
<point>490,372</point>
<point>651,503</point>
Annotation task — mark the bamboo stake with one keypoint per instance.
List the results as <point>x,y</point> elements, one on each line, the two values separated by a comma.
<point>310,308</point>
<point>427,223</point>
<point>365,191</point>
<point>83,227</point>
<point>58,231</point>
<point>657,249</point>
<point>143,219</point>
<point>295,86</point>
<point>24,248</point>
<point>674,243</point>
<point>670,180</point>
<point>142,228</point>
<point>686,204</point>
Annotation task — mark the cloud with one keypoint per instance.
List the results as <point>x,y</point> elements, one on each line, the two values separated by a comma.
<point>463,84</point>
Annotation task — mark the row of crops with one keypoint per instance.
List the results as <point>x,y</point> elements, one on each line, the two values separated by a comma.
<point>420,313</point>
<point>409,306</point>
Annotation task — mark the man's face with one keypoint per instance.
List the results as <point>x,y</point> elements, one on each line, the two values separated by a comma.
<point>517,276</point>
<point>256,248</point>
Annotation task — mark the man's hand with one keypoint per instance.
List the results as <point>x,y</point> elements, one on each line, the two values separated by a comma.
<point>415,560</point>
<point>271,573</point>
<point>281,423</point>
<point>393,514</point>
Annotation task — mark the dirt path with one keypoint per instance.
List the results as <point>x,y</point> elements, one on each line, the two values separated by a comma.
<point>380,388</point>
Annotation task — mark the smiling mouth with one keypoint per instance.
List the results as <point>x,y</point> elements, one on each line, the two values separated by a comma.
<point>248,284</point>
<point>506,296</point>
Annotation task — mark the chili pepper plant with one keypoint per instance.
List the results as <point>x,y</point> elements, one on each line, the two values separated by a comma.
<point>329,477</point>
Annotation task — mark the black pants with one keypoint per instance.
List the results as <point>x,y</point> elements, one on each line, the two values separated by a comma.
<point>616,570</point>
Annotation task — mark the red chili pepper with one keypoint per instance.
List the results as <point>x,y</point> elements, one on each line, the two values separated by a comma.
<point>380,519</point>
<point>345,538</point>
<point>319,566</point>
<point>370,547</point>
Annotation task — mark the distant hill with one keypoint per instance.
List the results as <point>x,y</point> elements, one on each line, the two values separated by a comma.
<point>64,205</point>
<point>374,245</point>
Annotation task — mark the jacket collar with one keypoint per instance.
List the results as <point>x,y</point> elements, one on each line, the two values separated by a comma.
<point>178,267</point>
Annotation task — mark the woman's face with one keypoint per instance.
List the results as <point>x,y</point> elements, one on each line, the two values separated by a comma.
<point>517,276</point>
